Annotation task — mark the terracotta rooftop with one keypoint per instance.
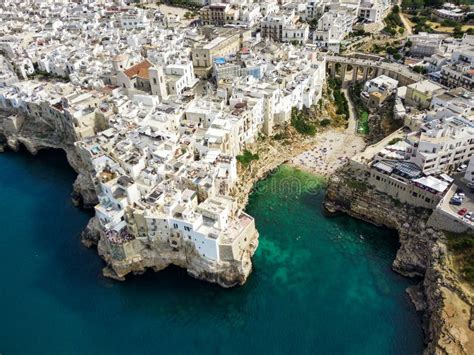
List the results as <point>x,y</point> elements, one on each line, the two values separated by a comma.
<point>140,70</point>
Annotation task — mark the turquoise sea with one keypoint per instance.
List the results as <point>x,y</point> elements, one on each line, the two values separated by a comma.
<point>320,285</point>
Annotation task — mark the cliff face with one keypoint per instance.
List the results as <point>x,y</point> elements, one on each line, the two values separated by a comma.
<point>158,255</point>
<point>447,305</point>
<point>35,135</point>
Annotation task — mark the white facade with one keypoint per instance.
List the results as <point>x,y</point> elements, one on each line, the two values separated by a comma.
<point>444,144</point>
<point>373,10</point>
<point>381,84</point>
<point>332,28</point>
<point>469,175</point>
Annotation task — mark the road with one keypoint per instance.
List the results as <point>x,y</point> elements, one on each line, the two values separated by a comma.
<point>406,23</point>
<point>367,43</point>
<point>352,126</point>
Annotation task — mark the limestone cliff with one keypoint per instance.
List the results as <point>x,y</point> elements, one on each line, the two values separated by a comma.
<point>158,255</point>
<point>447,305</point>
<point>35,134</point>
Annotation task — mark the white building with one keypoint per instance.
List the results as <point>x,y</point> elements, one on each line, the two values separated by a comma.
<point>381,84</point>
<point>373,10</point>
<point>284,28</point>
<point>332,28</point>
<point>444,143</point>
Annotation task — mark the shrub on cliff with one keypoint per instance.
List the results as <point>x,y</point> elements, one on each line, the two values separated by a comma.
<point>394,140</point>
<point>325,122</point>
<point>246,158</point>
<point>462,248</point>
<point>300,122</point>
<point>342,106</point>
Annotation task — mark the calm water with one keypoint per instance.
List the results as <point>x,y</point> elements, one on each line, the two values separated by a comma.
<point>317,288</point>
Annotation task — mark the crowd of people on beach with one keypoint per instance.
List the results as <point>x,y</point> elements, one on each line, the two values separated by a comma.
<point>328,155</point>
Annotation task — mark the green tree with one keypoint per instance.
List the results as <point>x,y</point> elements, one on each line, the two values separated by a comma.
<point>247,157</point>
<point>407,4</point>
<point>420,69</point>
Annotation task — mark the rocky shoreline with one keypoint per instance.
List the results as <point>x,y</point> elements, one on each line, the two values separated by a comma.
<point>447,306</point>
<point>35,136</point>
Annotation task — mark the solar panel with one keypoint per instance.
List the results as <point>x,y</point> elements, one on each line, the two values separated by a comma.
<point>407,169</point>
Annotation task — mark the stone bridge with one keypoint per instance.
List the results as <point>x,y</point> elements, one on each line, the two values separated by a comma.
<point>366,69</point>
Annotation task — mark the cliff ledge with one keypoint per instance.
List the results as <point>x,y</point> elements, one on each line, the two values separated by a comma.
<point>446,302</point>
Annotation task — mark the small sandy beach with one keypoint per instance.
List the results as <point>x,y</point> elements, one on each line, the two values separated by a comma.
<point>332,150</point>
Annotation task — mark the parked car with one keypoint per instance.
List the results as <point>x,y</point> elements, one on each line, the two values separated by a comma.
<point>460,196</point>
<point>461,168</point>
<point>462,211</point>
<point>455,201</point>
<point>468,215</point>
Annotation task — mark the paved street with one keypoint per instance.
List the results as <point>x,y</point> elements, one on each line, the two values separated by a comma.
<point>468,201</point>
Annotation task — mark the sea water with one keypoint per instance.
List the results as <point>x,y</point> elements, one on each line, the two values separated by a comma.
<point>320,285</point>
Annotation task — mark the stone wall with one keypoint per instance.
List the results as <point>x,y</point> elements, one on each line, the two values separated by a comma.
<point>439,219</point>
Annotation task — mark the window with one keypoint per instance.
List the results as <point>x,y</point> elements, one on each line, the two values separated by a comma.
<point>175,226</point>
<point>187,229</point>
